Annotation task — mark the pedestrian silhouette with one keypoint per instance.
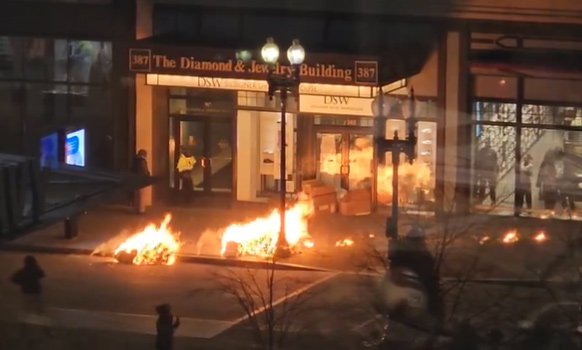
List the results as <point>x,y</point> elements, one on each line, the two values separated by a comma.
<point>165,327</point>
<point>28,279</point>
<point>139,166</point>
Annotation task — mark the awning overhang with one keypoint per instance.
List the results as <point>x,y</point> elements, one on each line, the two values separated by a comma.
<point>31,198</point>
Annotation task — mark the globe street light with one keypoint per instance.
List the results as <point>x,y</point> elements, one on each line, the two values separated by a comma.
<point>382,106</point>
<point>284,84</point>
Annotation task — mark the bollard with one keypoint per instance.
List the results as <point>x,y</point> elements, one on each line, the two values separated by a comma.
<point>71,227</point>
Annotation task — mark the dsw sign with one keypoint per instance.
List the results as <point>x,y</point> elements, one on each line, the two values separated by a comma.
<point>336,100</point>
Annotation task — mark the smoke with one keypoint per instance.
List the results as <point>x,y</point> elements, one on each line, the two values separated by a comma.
<point>209,243</point>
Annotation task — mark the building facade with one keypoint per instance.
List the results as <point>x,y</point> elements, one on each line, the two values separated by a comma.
<point>494,82</point>
<point>60,68</point>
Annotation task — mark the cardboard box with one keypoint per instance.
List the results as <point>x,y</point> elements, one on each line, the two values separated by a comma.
<point>322,191</point>
<point>325,203</point>
<point>307,185</point>
<point>356,202</point>
<point>358,195</point>
<point>355,208</point>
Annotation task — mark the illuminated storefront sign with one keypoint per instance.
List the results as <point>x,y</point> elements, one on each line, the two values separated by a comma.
<point>325,69</point>
<point>338,105</point>
<point>207,82</point>
<point>256,85</point>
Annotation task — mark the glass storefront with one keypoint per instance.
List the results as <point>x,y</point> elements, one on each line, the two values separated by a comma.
<point>258,134</point>
<point>527,163</point>
<point>417,181</point>
<point>201,125</point>
<point>47,83</point>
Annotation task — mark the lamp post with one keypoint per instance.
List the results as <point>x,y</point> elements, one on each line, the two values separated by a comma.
<point>284,84</point>
<point>382,107</point>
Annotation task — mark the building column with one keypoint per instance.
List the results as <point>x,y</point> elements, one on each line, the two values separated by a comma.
<point>247,126</point>
<point>457,179</point>
<point>144,93</point>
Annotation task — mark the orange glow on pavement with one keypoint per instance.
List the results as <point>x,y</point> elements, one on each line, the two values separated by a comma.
<point>510,237</point>
<point>540,237</point>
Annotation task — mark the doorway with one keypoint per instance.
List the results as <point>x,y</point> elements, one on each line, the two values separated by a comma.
<point>209,140</point>
<point>344,157</point>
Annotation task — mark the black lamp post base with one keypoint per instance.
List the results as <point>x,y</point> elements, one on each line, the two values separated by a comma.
<point>282,252</point>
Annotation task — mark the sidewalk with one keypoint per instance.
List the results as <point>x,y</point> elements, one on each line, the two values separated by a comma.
<point>102,230</point>
<point>61,318</point>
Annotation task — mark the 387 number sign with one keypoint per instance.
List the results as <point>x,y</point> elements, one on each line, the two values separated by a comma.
<point>366,72</point>
<point>140,60</point>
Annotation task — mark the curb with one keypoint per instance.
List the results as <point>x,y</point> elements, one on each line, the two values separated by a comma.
<point>185,258</point>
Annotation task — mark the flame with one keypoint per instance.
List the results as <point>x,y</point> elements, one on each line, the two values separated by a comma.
<point>414,179</point>
<point>510,237</point>
<point>308,244</point>
<point>259,237</point>
<point>540,237</point>
<point>346,242</point>
<point>484,240</point>
<point>153,245</point>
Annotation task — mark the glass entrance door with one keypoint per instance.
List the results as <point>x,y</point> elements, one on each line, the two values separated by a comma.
<point>209,140</point>
<point>344,160</point>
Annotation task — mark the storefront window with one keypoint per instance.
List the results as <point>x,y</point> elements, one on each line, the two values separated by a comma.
<point>342,120</point>
<point>550,90</point>
<point>551,172</point>
<point>551,115</point>
<point>10,57</point>
<point>493,168</point>
<point>495,87</point>
<point>545,182</point>
<point>10,117</point>
<point>53,83</point>
<point>417,181</point>
<point>46,103</point>
<point>261,100</point>
<point>200,102</point>
<point>494,112</point>
<point>75,61</point>
<point>95,104</point>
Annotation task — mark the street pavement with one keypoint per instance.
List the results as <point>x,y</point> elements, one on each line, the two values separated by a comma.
<point>95,293</point>
<point>93,297</point>
<point>95,303</point>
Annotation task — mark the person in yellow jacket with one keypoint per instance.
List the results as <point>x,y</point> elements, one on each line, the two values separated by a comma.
<point>185,166</point>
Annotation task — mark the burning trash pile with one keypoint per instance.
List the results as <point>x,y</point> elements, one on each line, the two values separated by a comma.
<point>259,237</point>
<point>153,245</point>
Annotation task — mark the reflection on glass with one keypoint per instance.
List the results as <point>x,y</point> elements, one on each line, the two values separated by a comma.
<point>551,115</point>
<point>220,156</point>
<point>556,176</point>
<point>493,165</point>
<point>494,111</point>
